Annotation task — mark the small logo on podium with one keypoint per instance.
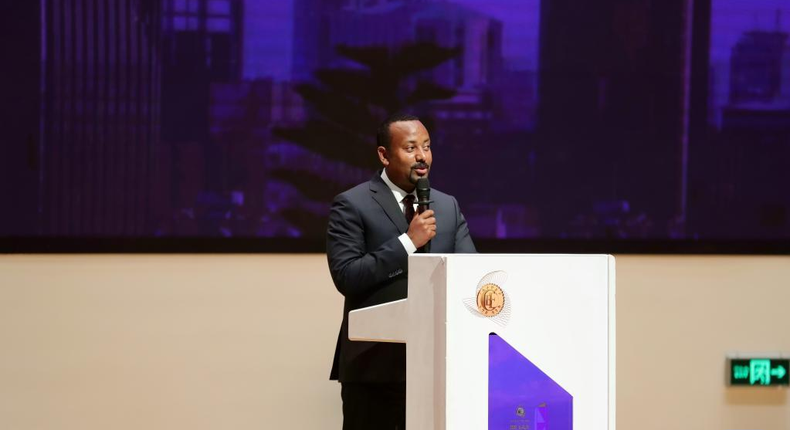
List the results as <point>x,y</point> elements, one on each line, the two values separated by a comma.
<point>491,300</point>
<point>520,423</point>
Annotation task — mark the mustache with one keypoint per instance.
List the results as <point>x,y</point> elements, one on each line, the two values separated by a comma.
<point>419,166</point>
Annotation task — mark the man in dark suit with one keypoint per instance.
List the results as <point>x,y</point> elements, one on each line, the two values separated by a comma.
<point>372,230</point>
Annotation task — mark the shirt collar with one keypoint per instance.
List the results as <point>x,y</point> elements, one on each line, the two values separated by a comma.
<point>396,191</point>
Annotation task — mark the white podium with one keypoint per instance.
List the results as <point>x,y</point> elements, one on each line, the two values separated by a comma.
<point>503,342</point>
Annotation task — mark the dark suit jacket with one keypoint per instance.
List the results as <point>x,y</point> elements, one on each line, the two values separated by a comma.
<point>369,267</point>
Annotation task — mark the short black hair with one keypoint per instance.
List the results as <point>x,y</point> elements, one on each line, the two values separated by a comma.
<point>383,135</point>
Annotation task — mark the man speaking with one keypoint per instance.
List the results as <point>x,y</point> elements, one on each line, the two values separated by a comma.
<point>373,228</point>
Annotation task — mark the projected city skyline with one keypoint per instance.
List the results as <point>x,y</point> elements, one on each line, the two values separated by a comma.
<point>564,120</point>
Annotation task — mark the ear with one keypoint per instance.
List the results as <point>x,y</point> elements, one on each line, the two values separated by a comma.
<point>383,157</point>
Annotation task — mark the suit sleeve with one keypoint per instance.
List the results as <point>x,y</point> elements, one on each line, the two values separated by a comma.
<point>463,241</point>
<point>355,271</point>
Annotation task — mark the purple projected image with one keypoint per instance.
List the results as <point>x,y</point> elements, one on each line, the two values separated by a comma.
<point>568,119</point>
<point>520,395</point>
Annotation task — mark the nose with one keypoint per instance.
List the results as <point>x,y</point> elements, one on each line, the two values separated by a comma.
<point>420,154</point>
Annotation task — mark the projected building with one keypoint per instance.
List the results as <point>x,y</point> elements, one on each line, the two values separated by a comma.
<point>760,68</point>
<point>310,42</point>
<point>93,88</point>
<point>748,158</point>
<point>611,112</point>
<point>202,44</point>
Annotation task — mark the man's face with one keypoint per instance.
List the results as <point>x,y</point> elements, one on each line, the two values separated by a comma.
<point>409,156</point>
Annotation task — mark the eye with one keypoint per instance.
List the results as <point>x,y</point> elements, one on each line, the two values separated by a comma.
<point>410,148</point>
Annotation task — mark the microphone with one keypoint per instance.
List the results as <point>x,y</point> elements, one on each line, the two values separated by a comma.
<point>424,203</point>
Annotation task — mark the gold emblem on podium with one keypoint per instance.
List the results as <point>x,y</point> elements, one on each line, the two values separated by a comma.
<point>490,300</point>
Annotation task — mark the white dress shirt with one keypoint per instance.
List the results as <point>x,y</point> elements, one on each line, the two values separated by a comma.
<point>399,194</point>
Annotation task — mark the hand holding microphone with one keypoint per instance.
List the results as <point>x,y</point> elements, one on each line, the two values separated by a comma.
<point>423,226</point>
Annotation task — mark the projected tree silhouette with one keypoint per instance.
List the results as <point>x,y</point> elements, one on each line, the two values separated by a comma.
<point>345,106</point>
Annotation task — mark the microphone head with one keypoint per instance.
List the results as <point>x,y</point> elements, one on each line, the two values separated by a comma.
<point>423,189</point>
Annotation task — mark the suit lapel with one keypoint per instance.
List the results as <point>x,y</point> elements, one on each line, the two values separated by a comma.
<point>383,196</point>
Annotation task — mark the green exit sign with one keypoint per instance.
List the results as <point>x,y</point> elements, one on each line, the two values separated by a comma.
<point>759,372</point>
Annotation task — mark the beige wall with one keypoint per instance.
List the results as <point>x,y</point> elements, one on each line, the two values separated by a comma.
<point>201,342</point>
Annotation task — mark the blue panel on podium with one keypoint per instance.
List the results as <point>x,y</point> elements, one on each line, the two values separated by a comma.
<point>520,395</point>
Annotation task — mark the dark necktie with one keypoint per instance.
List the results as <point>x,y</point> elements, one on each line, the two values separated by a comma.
<point>408,207</point>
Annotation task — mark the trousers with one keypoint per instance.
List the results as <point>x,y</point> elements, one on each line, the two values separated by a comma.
<point>374,406</point>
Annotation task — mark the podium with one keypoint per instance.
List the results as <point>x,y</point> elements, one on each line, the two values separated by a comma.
<point>503,342</point>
